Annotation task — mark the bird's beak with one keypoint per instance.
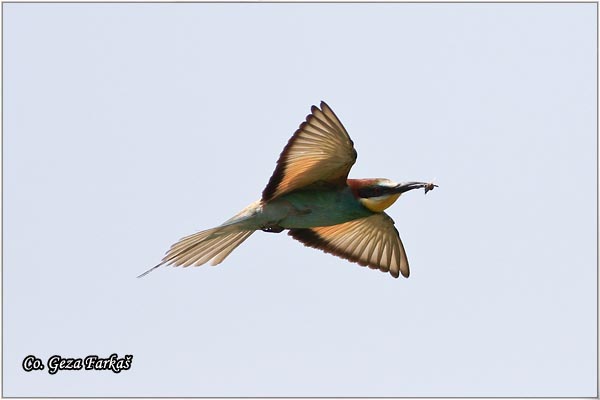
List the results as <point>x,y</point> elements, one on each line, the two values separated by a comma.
<point>406,186</point>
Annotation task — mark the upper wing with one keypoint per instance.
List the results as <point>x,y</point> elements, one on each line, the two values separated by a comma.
<point>320,150</point>
<point>372,241</point>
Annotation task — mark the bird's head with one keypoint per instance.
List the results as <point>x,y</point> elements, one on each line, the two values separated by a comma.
<point>380,193</point>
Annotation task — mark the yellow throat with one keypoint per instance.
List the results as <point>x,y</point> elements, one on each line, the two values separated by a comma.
<point>378,204</point>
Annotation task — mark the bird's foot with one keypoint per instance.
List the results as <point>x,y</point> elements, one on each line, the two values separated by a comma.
<point>271,228</point>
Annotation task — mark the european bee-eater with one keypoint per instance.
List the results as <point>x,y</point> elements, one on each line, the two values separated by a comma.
<point>310,195</point>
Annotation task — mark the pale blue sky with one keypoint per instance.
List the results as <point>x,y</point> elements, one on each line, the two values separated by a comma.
<point>128,126</point>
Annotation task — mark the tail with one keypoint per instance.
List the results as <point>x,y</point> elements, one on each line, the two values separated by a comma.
<point>201,247</point>
<point>213,244</point>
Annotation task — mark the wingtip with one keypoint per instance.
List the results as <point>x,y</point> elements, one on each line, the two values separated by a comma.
<point>396,274</point>
<point>405,269</point>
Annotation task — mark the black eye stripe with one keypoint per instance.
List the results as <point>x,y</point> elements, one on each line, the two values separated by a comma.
<point>371,191</point>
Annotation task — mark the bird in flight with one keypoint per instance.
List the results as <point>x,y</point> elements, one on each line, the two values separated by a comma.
<point>311,196</point>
